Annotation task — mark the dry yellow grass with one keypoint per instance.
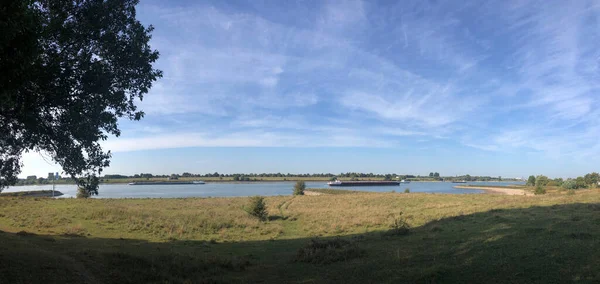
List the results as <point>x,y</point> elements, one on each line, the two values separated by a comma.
<point>454,239</point>
<point>223,219</point>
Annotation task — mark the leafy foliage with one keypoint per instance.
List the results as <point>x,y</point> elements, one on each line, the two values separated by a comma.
<point>580,182</point>
<point>299,188</point>
<point>592,179</point>
<point>541,180</point>
<point>70,69</point>
<point>539,189</point>
<point>569,184</point>
<point>574,183</point>
<point>531,181</point>
<point>257,208</point>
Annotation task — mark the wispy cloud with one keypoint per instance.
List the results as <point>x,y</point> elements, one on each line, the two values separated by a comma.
<point>498,70</point>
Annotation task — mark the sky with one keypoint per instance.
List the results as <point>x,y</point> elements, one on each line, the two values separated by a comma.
<point>508,88</point>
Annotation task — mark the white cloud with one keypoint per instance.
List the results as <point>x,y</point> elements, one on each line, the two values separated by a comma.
<point>256,138</point>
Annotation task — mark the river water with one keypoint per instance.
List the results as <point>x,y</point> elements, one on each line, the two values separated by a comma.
<point>244,189</point>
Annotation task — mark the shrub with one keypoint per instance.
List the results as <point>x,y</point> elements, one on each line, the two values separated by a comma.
<point>399,226</point>
<point>82,193</point>
<point>573,184</point>
<point>257,208</point>
<point>541,180</point>
<point>328,251</point>
<point>539,189</point>
<point>407,190</point>
<point>580,182</point>
<point>299,188</point>
<point>569,184</point>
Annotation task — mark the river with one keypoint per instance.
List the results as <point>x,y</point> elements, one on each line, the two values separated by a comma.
<point>244,189</point>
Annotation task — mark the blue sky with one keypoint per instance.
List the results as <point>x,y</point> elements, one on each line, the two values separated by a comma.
<point>507,88</point>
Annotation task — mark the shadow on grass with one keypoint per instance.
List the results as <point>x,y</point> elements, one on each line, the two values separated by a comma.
<point>554,244</point>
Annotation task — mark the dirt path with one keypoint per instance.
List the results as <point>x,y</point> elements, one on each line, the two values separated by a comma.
<point>498,190</point>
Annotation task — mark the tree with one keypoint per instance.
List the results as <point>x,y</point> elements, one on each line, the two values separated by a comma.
<point>592,179</point>
<point>580,182</point>
<point>257,208</point>
<point>569,184</point>
<point>541,180</point>
<point>430,174</point>
<point>299,188</point>
<point>70,69</point>
<point>531,181</point>
<point>558,181</point>
<point>436,175</point>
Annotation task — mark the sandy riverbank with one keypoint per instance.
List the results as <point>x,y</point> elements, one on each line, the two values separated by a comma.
<point>497,190</point>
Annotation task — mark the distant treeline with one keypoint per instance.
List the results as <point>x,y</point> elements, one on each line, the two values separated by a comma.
<point>591,180</point>
<point>433,176</point>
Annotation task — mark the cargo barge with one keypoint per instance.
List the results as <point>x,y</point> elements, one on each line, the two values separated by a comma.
<point>363,183</point>
<point>165,182</point>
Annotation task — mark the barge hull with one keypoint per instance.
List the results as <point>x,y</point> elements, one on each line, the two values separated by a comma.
<point>366,183</point>
<point>159,183</point>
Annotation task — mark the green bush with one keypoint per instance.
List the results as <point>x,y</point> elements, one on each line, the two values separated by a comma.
<point>539,189</point>
<point>580,182</point>
<point>399,226</point>
<point>407,190</point>
<point>257,208</point>
<point>569,184</point>
<point>574,184</point>
<point>541,180</point>
<point>82,193</point>
<point>299,188</point>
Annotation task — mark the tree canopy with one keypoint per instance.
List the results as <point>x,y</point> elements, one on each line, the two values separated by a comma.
<point>70,70</point>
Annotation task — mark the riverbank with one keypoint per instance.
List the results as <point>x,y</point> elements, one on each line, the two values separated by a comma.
<point>498,189</point>
<point>452,239</point>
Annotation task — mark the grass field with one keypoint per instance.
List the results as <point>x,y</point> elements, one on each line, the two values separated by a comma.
<point>348,238</point>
